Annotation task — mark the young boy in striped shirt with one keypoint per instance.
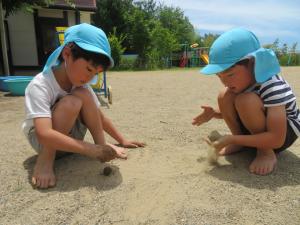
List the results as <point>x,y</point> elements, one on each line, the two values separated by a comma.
<point>257,104</point>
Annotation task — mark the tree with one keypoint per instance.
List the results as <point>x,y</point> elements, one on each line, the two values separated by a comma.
<point>152,30</point>
<point>116,46</point>
<point>294,47</point>
<point>208,39</point>
<point>139,35</point>
<point>147,6</point>
<point>284,49</point>
<point>174,20</point>
<point>163,43</point>
<point>275,47</point>
<point>112,14</point>
<point>268,46</point>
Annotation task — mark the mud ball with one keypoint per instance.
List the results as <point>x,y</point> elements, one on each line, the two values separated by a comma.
<point>214,136</point>
<point>107,171</point>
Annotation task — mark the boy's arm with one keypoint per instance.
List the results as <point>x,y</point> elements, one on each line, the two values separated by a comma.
<point>272,138</point>
<point>218,114</point>
<point>114,133</point>
<point>110,128</point>
<point>206,115</point>
<point>53,139</point>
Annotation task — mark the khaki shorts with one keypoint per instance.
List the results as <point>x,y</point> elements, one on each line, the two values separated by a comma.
<point>78,132</point>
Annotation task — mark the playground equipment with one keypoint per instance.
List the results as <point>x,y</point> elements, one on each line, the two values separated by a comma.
<point>193,56</point>
<point>205,58</point>
<point>184,58</point>
<point>100,87</point>
<point>61,34</point>
<point>203,54</point>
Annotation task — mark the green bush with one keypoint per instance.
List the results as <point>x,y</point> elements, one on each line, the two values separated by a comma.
<point>283,60</point>
<point>289,60</point>
<point>152,60</point>
<point>126,64</point>
<point>116,46</point>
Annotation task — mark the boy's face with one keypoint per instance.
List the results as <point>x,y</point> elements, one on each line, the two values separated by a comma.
<point>80,71</point>
<point>237,79</point>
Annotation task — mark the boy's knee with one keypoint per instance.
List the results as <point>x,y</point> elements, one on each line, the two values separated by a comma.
<point>226,97</point>
<point>71,103</point>
<point>82,93</point>
<point>248,100</point>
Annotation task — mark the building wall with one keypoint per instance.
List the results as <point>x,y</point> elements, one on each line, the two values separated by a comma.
<point>85,17</point>
<point>71,18</point>
<point>22,34</point>
<point>22,39</point>
<point>50,13</point>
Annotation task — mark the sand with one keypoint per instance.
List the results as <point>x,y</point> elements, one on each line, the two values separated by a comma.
<point>167,182</point>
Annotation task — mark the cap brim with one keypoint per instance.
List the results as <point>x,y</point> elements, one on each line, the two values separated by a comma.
<point>92,48</point>
<point>211,69</point>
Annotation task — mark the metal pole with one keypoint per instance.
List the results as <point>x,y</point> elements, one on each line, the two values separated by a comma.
<point>3,41</point>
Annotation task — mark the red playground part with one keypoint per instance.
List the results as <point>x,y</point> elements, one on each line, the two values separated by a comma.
<point>183,62</point>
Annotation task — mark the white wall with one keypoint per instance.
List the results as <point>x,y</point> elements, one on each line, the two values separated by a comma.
<point>52,13</point>
<point>85,17</point>
<point>22,33</point>
<point>22,39</point>
<point>71,18</point>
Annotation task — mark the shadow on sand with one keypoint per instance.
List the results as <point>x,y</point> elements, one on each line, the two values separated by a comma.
<point>285,174</point>
<point>74,172</point>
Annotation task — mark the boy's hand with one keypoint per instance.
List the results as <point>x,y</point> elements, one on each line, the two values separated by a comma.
<point>119,151</point>
<point>221,142</point>
<point>207,114</point>
<point>110,152</point>
<point>132,144</point>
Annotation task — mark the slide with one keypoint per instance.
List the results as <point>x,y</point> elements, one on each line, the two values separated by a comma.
<point>205,58</point>
<point>183,61</point>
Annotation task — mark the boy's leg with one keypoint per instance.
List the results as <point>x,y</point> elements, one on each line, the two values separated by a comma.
<point>64,115</point>
<point>252,113</point>
<point>226,101</point>
<point>90,115</point>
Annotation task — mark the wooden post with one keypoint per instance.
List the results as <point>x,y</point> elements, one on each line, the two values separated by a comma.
<point>3,42</point>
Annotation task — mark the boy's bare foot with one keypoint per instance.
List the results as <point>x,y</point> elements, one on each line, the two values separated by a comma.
<point>230,149</point>
<point>43,174</point>
<point>264,163</point>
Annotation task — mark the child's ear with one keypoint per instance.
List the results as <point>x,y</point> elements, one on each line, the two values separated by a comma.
<point>66,52</point>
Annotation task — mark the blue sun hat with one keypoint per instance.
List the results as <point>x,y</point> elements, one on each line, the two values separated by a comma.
<point>87,37</point>
<point>237,44</point>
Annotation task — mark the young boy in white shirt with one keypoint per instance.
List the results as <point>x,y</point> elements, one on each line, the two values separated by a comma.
<point>61,106</point>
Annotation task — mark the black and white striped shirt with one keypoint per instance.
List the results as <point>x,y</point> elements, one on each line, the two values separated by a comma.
<point>276,91</point>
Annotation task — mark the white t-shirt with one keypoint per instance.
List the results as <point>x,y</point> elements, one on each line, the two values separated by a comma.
<point>41,94</point>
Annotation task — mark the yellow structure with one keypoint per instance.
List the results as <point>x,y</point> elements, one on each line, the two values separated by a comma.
<point>61,34</point>
<point>205,58</point>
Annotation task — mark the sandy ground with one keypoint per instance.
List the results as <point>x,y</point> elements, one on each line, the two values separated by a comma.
<point>167,182</point>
